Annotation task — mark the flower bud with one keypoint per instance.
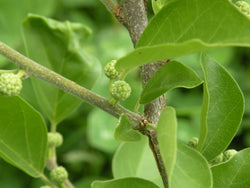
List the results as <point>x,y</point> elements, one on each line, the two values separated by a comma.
<point>110,70</point>
<point>59,174</point>
<point>120,90</point>
<point>10,84</point>
<point>193,142</point>
<point>55,139</point>
<point>228,154</point>
<point>217,160</point>
<point>244,7</point>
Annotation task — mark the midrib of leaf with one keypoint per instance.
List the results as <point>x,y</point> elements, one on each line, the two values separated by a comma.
<point>60,71</point>
<point>196,19</point>
<point>219,128</point>
<point>20,157</point>
<point>25,133</point>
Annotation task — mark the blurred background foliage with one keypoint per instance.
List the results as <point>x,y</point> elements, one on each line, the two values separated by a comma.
<point>88,132</point>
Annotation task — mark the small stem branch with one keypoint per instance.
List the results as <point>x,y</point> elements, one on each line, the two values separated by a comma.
<point>34,69</point>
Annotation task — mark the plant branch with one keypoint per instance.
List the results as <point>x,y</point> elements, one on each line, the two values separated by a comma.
<point>34,69</point>
<point>135,20</point>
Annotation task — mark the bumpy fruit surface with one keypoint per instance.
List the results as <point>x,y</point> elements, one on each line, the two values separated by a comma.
<point>59,174</point>
<point>244,7</point>
<point>193,142</point>
<point>55,139</point>
<point>10,84</point>
<point>228,154</point>
<point>110,70</point>
<point>120,90</point>
<point>217,160</point>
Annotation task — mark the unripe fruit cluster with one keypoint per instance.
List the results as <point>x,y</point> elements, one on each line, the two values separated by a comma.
<point>120,90</point>
<point>223,157</point>
<point>59,174</point>
<point>193,142</point>
<point>110,70</point>
<point>244,7</point>
<point>10,84</point>
<point>55,139</point>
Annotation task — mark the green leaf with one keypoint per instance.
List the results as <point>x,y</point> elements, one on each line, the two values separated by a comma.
<point>222,109</point>
<point>10,23</point>
<point>189,26</point>
<point>124,131</point>
<point>23,136</point>
<point>135,159</point>
<point>172,75</point>
<point>234,173</point>
<point>124,183</point>
<point>191,169</point>
<point>56,45</point>
<point>100,130</point>
<point>167,138</point>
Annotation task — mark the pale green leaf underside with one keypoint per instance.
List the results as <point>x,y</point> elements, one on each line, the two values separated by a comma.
<point>235,173</point>
<point>190,170</point>
<point>124,132</point>
<point>167,138</point>
<point>56,45</point>
<point>135,159</point>
<point>189,26</point>
<point>172,75</point>
<point>23,136</point>
<point>124,183</point>
<point>222,109</point>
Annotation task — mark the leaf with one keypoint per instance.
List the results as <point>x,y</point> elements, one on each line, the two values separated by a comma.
<point>190,170</point>
<point>56,45</point>
<point>234,173</point>
<point>100,131</point>
<point>23,136</point>
<point>124,183</point>
<point>10,23</point>
<point>188,26</point>
<point>124,131</point>
<point>167,138</point>
<point>135,159</point>
<point>222,109</point>
<point>172,75</point>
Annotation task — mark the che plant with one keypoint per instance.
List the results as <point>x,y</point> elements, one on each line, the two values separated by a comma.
<point>178,28</point>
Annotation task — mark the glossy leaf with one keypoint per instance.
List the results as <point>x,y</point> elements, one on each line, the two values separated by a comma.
<point>23,136</point>
<point>234,173</point>
<point>167,138</point>
<point>124,131</point>
<point>189,26</point>
<point>222,109</point>
<point>100,131</point>
<point>191,169</point>
<point>124,183</point>
<point>56,45</point>
<point>170,76</point>
<point>135,159</point>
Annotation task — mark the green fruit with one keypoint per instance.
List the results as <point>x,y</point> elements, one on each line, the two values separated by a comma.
<point>59,174</point>
<point>10,84</point>
<point>110,70</point>
<point>193,142</point>
<point>55,139</point>
<point>228,154</point>
<point>217,160</point>
<point>244,7</point>
<point>120,90</point>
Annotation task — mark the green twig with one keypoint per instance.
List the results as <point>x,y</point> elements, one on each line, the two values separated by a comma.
<point>34,69</point>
